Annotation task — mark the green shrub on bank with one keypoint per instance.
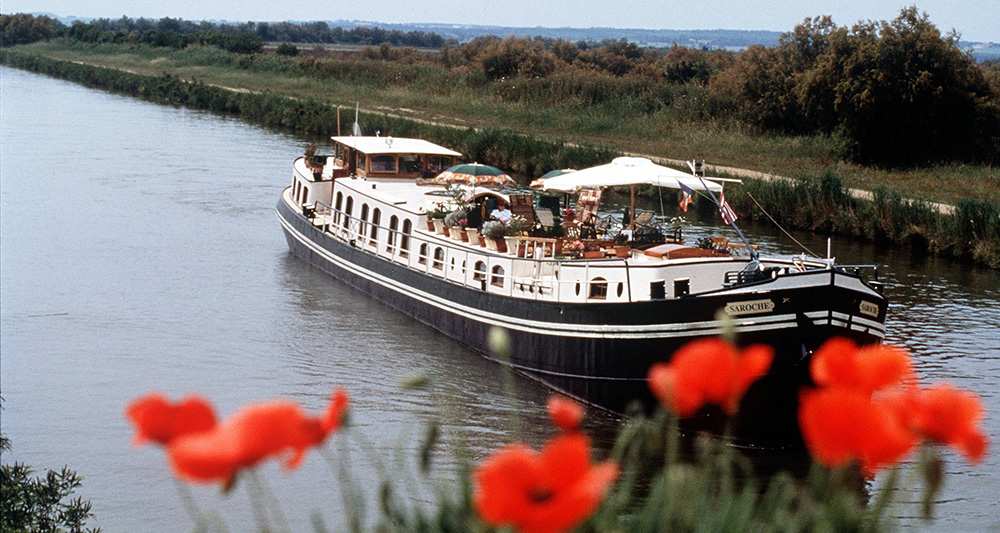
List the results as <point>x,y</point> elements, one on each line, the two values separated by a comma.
<point>821,205</point>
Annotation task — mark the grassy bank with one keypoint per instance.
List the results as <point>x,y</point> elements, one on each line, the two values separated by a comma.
<point>820,204</point>
<point>624,122</point>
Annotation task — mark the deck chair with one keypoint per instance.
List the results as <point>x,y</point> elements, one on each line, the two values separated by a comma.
<point>545,218</point>
<point>587,204</point>
<point>644,218</point>
<point>522,206</point>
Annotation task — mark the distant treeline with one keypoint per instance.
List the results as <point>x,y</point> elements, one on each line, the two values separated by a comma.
<point>177,33</point>
<point>821,204</point>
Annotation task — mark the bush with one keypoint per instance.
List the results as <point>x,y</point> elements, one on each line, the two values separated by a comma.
<point>40,503</point>
<point>22,28</point>
<point>896,93</point>
<point>285,49</point>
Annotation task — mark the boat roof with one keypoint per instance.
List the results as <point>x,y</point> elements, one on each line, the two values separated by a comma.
<point>627,171</point>
<point>394,145</point>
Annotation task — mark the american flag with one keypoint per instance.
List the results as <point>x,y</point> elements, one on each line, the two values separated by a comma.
<point>728,215</point>
<point>687,197</point>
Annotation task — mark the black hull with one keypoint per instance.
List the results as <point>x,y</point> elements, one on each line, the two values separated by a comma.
<point>606,370</point>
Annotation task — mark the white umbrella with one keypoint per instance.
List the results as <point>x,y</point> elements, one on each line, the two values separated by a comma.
<point>627,171</point>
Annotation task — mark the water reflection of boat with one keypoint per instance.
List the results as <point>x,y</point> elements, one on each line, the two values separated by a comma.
<point>583,313</point>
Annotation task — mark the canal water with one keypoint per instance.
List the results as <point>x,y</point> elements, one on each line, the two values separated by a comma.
<point>140,252</point>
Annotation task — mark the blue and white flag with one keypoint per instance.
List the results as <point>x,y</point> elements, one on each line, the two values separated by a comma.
<point>687,197</point>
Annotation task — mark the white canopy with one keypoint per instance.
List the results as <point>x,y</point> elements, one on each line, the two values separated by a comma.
<point>627,171</point>
<point>394,145</point>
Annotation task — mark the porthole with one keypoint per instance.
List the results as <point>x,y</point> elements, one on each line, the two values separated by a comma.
<point>578,288</point>
<point>621,289</point>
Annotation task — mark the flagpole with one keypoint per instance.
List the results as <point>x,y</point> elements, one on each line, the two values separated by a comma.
<point>718,205</point>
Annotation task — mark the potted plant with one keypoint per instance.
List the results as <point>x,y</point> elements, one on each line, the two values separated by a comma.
<point>493,233</point>
<point>472,234</point>
<point>435,218</point>
<point>518,226</point>
<point>456,221</point>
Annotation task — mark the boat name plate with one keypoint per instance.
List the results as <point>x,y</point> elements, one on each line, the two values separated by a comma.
<point>868,308</point>
<point>750,307</point>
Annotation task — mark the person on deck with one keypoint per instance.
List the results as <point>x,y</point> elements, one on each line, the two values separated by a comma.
<point>502,213</point>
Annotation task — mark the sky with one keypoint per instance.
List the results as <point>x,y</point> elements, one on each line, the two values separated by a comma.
<point>975,20</point>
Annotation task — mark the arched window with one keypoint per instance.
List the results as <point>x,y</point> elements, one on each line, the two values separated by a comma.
<point>390,240</point>
<point>364,220</point>
<point>404,243</point>
<point>376,219</point>
<point>479,271</point>
<point>348,211</point>
<point>438,258</point>
<point>422,256</point>
<point>598,289</point>
<point>497,278</point>
<point>337,206</point>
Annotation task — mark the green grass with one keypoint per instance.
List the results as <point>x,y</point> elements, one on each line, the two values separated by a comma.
<point>422,91</point>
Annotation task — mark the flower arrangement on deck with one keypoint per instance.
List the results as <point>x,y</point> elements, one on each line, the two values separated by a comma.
<point>866,413</point>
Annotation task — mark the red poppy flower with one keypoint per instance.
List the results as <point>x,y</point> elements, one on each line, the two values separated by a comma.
<point>840,425</point>
<point>157,420</point>
<point>951,416</point>
<point>252,435</point>
<point>565,413</point>
<point>542,492</point>
<point>840,363</point>
<point>708,371</point>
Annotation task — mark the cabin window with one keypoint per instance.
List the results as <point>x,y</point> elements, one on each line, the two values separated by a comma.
<point>364,220</point>
<point>438,263</point>
<point>479,271</point>
<point>598,289</point>
<point>409,164</point>
<point>383,163</point>
<point>337,205</point>
<point>376,219</point>
<point>295,190</point>
<point>422,255</point>
<point>305,195</point>
<point>359,161</point>
<point>390,240</point>
<point>348,211</point>
<point>436,164</point>
<point>497,278</point>
<point>405,238</point>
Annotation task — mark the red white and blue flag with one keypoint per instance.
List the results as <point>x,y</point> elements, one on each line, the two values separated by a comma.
<point>728,215</point>
<point>687,197</point>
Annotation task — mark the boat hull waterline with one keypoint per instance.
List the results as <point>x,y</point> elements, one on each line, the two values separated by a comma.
<point>601,353</point>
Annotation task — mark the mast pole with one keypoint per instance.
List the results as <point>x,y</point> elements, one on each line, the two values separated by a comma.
<point>631,206</point>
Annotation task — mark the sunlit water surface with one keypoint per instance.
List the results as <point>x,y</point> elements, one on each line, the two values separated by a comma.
<point>140,252</point>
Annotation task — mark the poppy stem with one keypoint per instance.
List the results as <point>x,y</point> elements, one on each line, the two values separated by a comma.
<point>258,507</point>
<point>343,477</point>
<point>271,499</point>
<point>187,501</point>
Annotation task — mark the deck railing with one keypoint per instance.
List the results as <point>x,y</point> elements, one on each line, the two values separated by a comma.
<point>534,278</point>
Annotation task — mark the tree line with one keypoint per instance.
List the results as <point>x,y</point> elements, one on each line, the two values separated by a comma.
<point>886,93</point>
<point>246,37</point>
